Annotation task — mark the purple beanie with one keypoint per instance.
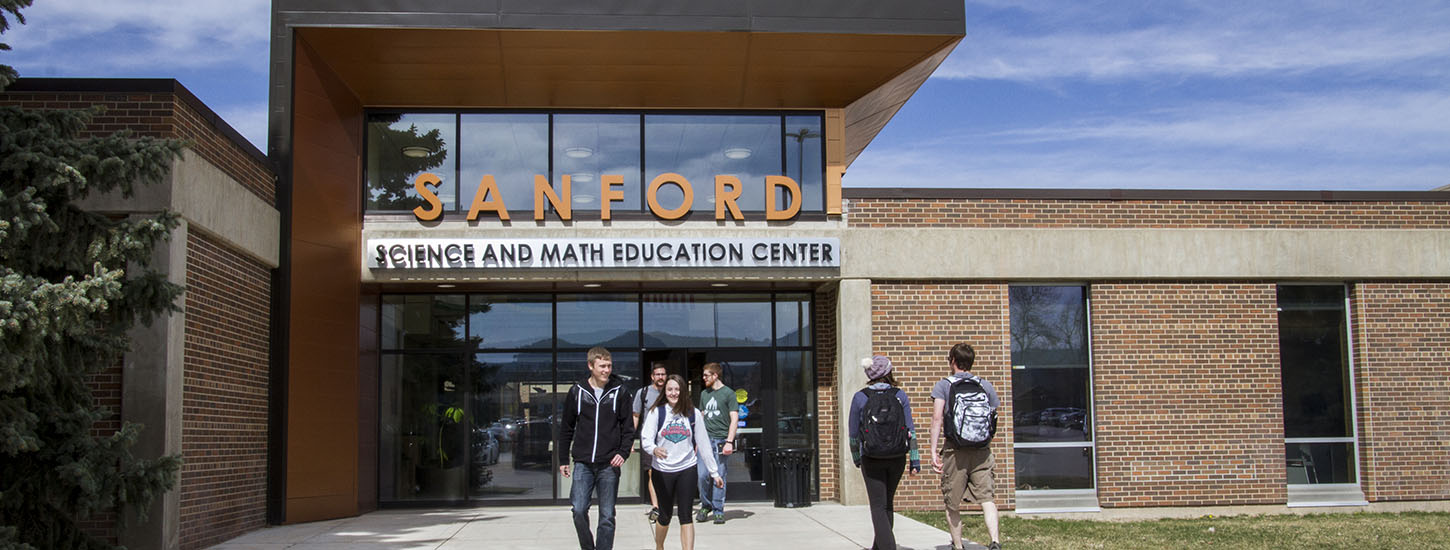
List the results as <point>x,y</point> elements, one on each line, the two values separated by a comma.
<point>876,366</point>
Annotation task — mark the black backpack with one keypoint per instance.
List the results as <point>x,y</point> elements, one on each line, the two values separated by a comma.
<point>883,425</point>
<point>970,419</point>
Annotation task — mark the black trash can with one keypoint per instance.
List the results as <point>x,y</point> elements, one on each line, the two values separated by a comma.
<point>790,476</point>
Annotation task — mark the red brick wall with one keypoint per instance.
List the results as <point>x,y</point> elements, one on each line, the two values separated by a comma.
<point>159,114</point>
<point>1177,214</point>
<point>224,402</point>
<point>829,422</point>
<point>106,389</point>
<point>915,324</point>
<point>1402,373</point>
<point>1188,399</point>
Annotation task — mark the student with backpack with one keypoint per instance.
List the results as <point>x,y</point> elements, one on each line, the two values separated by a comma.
<point>883,439</point>
<point>674,434</point>
<point>965,411</point>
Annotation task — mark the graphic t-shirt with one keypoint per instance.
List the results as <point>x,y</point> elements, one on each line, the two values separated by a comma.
<point>717,406</point>
<point>680,438</point>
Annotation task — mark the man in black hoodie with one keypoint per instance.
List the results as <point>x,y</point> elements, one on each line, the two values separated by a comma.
<point>596,435</point>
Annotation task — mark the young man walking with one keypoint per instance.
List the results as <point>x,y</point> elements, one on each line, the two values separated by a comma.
<point>967,405</point>
<point>596,434</point>
<point>722,414</point>
<point>644,398</point>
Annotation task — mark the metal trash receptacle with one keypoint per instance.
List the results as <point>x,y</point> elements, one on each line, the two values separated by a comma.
<point>790,473</point>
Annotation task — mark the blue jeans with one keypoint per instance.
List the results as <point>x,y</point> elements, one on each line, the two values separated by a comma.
<point>602,479</point>
<point>713,498</point>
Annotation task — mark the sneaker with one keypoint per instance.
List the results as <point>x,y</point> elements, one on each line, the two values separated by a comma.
<point>653,515</point>
<point>719,518</point>
<point>994,546</point>
<point>702,515</point>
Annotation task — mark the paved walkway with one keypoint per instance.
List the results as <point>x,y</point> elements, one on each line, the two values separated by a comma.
<point>823,525</point>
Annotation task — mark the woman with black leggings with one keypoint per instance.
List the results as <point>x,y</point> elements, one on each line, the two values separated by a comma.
<point>673,433</point>
<point>882,467</point>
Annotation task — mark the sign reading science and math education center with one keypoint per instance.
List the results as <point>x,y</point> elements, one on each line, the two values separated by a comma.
<point>465,253</point>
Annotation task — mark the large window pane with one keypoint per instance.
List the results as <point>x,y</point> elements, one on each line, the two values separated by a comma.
<point>700,147</point>
<point>1050,375</point>
<point>679,321</point>
<point>514,416</point>
<point>423,452</point>
<point>1320,463</point>
<point>573,369</point>
<point>742,320</point>
<point>803,159</point>
<point>422,321</point>
<point>589,146</point>
<point>402,146</point>
<point>1054,468</point>
<point>793,320</point>
<point>588,320</point>
<point>1314,359</point>
<point>511,322</point>
<point>512,148</point>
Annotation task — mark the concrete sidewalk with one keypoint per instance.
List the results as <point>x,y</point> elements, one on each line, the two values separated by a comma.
<point>824,525</point>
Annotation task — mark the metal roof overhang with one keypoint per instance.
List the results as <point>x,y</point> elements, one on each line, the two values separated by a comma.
<point>867,75</point>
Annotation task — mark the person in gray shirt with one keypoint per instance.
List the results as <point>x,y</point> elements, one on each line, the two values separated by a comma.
<point>967,472</point>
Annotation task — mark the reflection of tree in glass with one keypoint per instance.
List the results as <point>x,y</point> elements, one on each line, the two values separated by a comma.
<point>1045,329</point>
<point>391,188</point>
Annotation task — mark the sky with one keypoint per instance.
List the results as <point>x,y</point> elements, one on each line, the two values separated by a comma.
<point>1126,94</point>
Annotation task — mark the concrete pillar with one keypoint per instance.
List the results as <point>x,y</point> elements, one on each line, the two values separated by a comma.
<point>152,384</point>
<point>853,341</point>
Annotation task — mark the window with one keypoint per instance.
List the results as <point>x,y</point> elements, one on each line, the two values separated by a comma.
<point>1052,415</point>
<point>1314,362</point>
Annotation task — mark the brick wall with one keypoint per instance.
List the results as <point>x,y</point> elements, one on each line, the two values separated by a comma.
<point>1187,391</point>
<point>1402,373</point>
<point>1133,214</point>
<point>161,114</point>
<point>224,404</point>
<point>828,420</point>
<point>106,387</point>
<point>915,324</point>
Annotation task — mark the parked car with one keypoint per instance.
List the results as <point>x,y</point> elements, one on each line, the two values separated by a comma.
<point>534,444</point>
<point>486,447</point>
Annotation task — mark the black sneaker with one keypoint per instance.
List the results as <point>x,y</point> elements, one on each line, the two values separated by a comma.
<point>994,546</point>
<point>653,515</point>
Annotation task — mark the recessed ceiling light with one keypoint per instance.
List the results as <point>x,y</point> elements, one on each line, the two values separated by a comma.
<point>583,177</point>
<point>578,152</point>
<point>446,286</point>
<point>583,199</point>
<point>737,153</point>
<point>592,285</point>
<point>719,285</point>
<point>416,151</point>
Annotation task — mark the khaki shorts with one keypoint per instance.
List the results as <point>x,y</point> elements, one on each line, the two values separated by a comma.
<point>969,474</point>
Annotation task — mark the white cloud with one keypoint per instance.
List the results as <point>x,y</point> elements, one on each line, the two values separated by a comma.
<point>1055,40</point>
<point>250,120</point>
<point>106,37</point>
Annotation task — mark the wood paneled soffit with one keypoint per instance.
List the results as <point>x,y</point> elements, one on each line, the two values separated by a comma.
<point>616,69</point>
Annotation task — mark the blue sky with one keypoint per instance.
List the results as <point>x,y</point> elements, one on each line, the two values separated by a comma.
<point>1056,94</point>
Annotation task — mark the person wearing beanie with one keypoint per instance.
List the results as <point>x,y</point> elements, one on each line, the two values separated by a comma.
<point>883,441</point>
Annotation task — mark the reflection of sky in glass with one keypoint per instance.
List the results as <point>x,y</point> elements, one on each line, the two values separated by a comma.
<point>512,321</point>
<point>589,146</point>
<point>793,320</point>
<point>803,160</point>
<point>743,321</point>
<point>678,320</point>
<point>513,148</point>
<point>385,157</point>
<point>694,146</point>
<point>598,320</point>
<point>1049,326</point>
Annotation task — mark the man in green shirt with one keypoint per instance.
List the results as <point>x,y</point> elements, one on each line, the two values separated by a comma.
<point>722,414</point>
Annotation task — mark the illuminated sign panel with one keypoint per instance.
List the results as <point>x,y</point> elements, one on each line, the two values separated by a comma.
<point>466,253</point>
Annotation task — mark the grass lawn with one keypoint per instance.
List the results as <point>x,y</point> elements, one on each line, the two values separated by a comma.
<point>1358,530</point>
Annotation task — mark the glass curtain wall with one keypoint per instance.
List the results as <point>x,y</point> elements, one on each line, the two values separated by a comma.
<point>1051,388</point>
<point>1319,428</point>
<point>471,385</point>
<point>514,147</point>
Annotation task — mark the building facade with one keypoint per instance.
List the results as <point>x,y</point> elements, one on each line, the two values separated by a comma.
<point>469,196</point>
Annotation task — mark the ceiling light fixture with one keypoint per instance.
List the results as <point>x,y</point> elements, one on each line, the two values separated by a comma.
<point>583,199</point>
<point>582,177</point>
<point>719,285</point>
<point>416,151</point>
<point>446,286</point>
<point>737,153</point>
<point>592,285</point>
<point>578,152</point>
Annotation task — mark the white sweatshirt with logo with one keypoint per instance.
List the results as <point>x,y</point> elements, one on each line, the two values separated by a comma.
<point>679,438</point>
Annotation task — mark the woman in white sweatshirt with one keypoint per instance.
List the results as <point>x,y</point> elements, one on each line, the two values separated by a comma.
<point>674,434</point>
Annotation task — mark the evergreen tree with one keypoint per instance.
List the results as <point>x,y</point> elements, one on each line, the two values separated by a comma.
<point>72,283</point>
